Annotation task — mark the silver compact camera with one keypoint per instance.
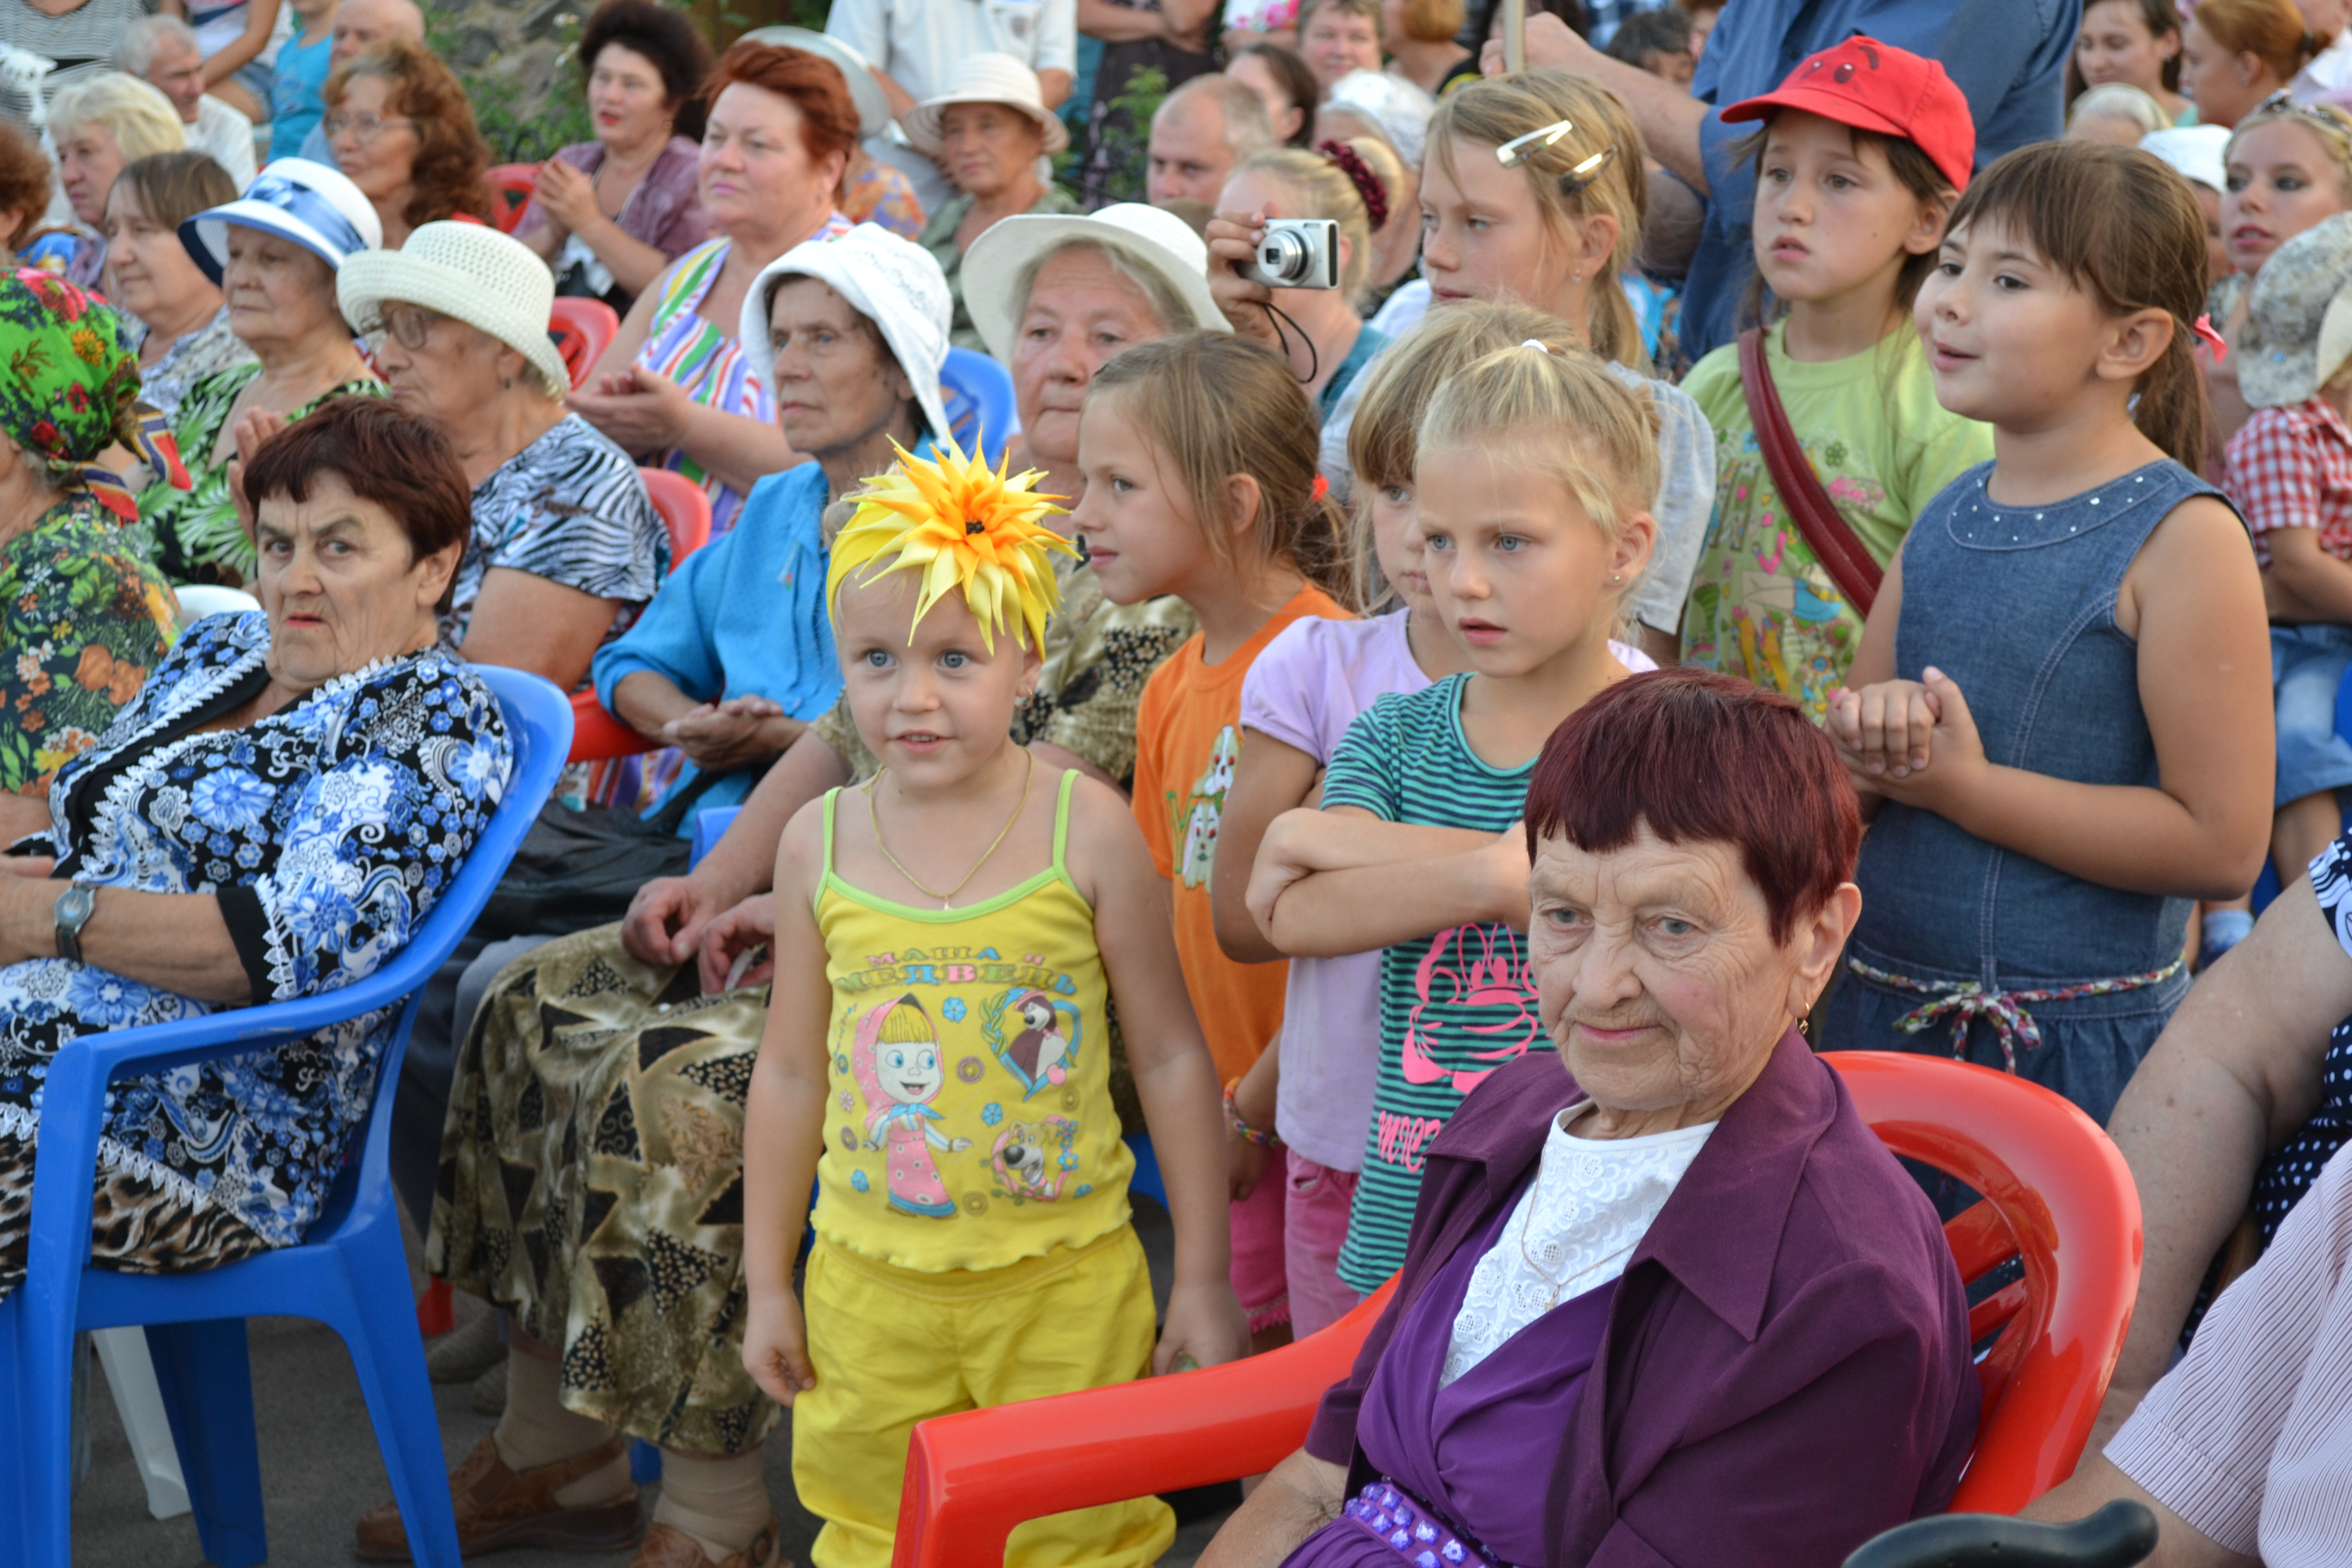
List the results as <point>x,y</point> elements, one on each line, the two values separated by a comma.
<point>1296,253</point>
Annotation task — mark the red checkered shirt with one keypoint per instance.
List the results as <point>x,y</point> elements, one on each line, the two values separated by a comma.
<point>2292,468</point>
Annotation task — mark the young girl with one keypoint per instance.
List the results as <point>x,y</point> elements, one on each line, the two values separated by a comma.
<point>2064,703</point>
<point>1530,478</point>
<point>1198,453</point>
<point>1864,149</point>
<point>936,1058</point>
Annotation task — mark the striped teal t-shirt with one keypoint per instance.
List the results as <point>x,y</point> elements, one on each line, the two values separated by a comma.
<point>1454,1006</point>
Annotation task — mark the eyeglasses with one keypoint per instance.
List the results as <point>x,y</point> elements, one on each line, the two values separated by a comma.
<point>411,324</point>
<point>1579,175</point>
<point>365,128</point>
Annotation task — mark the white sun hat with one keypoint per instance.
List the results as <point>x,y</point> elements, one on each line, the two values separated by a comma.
<point>2195,152</point>
<point>471,272</point>
<point>873,109</point>
<point>315,206</point>
<point>1158,242</point>
<point>1398,109</point>
<point>892,283</point>
<point>986,78</point>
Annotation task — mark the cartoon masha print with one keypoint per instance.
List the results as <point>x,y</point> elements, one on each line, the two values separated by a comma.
<point>1040,1049</point>
<point>897,1063</point>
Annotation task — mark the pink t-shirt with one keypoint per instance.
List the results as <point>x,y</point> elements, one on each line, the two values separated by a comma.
<point>1305,689</point>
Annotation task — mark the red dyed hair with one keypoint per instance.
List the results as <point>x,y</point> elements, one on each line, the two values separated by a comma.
<point>399,460</point>
<point>814,85</point>
<point>1702,758</point>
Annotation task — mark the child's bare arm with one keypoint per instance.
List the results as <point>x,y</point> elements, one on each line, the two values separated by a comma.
<point>1340,880</point>
<point>1134,927</point>
<point>2193,602</point>
<point>784,1119</point>
<point>1272,777</point>
<point>2319,583</point>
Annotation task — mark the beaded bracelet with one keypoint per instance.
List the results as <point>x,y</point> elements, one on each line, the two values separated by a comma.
<point>1241,1129</point>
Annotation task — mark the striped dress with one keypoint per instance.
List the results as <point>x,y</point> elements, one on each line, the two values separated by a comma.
<point>1454,1006</point>
<point>708,362</point>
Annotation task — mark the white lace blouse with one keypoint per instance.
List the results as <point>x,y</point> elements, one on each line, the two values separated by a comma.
<point>1574,1228</point>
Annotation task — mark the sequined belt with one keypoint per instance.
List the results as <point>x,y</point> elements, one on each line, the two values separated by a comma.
<point>1964,1001</point>
<point>1404,1522</point>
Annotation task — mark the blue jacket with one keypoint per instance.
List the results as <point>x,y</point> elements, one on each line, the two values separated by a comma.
<point>2007,57</point>
<point>742,617</point>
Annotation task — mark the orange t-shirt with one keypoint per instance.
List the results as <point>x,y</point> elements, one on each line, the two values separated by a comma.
<point>1187,736</point>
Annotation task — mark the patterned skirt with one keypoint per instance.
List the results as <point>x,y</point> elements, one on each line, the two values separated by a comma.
<point>136,1226</point>
<point>592,1184</point>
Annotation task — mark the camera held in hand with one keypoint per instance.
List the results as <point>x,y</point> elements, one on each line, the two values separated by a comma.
<point>1296,253</point>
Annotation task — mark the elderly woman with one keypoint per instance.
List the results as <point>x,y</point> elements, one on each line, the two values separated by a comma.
<point>98,126</point>
<point>566,548</point>
<point>185,332</point>
<point>1676,1303</point>
<point>83,618</point>
<point>676,387</point>
<point>400,126</point>
<point>858,327</point>
<point>1336,37</point>
<point>273,252</point>
<point>609,215</point>
<point>871,190</point>
<point>329,770</point>
<point>988,131</point>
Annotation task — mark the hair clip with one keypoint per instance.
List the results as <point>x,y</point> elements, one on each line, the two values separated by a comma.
<point>1509,152</point>
<point>2206,334</point>
<point>1360,175</point>
<point>1585,173</point>
<point>1535,344</point>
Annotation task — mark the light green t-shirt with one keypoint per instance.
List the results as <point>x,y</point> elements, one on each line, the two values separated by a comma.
<point>1760,603</point>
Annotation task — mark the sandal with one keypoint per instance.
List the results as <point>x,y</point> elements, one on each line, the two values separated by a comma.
<point>499,1508</point>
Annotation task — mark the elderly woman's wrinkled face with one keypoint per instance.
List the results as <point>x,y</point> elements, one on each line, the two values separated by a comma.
<point>88,157</point>
<point>340,585</point>
<point>154,276</point>
<point>626,99</point>
<point>988,146</point>
<point>836,385</point>
<point>279,293</point>
<point>755,168</point>
<point>373,141</point>
<point>1657,974</point>
<point>1081,312</point>
<point>443,368</point>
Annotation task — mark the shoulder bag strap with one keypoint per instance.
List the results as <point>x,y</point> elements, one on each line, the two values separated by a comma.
<point>1847,560</point>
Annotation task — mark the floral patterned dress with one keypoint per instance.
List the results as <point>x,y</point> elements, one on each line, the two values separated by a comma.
<point>82,620</point>
<point>327,831</point>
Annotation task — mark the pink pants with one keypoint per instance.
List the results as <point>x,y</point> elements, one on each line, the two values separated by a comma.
<point>1313,1225</point>
<point>1258,1274</point>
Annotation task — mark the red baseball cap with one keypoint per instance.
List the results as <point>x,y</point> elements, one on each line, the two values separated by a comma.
<point>1877,87</point>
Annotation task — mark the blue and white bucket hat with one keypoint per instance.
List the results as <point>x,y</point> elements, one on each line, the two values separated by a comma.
<point>315,206</point>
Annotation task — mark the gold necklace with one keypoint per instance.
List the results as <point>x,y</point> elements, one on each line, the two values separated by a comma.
<point>1562,1284</point>
<point>1026,780</point>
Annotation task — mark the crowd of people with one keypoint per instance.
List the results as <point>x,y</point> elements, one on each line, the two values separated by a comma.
<point>1755,534</point>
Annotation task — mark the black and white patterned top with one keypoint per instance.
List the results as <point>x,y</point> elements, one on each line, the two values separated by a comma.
<point>569,508</point>
<point>2286,1175</point>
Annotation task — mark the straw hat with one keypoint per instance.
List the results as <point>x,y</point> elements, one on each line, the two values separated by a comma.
<point>315,206</point>
<point>1160,242</point>
<point>873,109</point>
<point>985,79</point>
<point>2298,319</point>
<point>892,283</point>
<point>471,272</point>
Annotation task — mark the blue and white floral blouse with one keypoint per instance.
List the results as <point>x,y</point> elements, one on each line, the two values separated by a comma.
<point>327,830</point>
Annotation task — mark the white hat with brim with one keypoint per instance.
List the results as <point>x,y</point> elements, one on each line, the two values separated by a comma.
<point>316,208</point>
<point>1158,242</point>
<point>466,271</point>
<point>892,283</point>
<point>1395,107</point>
<point>873,108</point>
<point>985,79</point>
<point>2194,152</point>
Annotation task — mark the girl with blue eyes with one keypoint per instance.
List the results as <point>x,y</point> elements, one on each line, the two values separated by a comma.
<point>2061,716</point>
<point>1532,471</point>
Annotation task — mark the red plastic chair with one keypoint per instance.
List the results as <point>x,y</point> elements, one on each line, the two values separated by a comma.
<point>685,508</point>
<point>2051,1181</point>
<point>582,329</point>
<point>511,187</point>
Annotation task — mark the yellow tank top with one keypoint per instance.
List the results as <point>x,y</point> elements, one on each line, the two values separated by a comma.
<point>970,1121</point>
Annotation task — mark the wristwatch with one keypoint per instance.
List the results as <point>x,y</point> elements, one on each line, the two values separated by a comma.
<point>74,906</point>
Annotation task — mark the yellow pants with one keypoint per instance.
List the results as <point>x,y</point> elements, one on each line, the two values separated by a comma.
<point>892,1346</point>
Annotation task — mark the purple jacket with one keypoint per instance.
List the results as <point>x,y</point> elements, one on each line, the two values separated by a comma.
<point>665,209</point>
<point>1786,1370</point>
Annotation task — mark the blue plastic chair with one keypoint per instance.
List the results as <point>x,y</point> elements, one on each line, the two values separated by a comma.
<point>349,1272</point>
<point>980,405</point>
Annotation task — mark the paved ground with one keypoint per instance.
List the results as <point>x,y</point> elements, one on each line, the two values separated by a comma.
<point>320,1468</point>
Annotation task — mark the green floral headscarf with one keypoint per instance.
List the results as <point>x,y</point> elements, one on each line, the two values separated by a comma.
<point>69,387</point>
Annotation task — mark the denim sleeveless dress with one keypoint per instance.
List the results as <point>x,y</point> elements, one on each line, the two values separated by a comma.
<point>1968,948</point>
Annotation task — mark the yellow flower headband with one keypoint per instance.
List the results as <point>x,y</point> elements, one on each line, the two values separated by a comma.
<point>957,520</point>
